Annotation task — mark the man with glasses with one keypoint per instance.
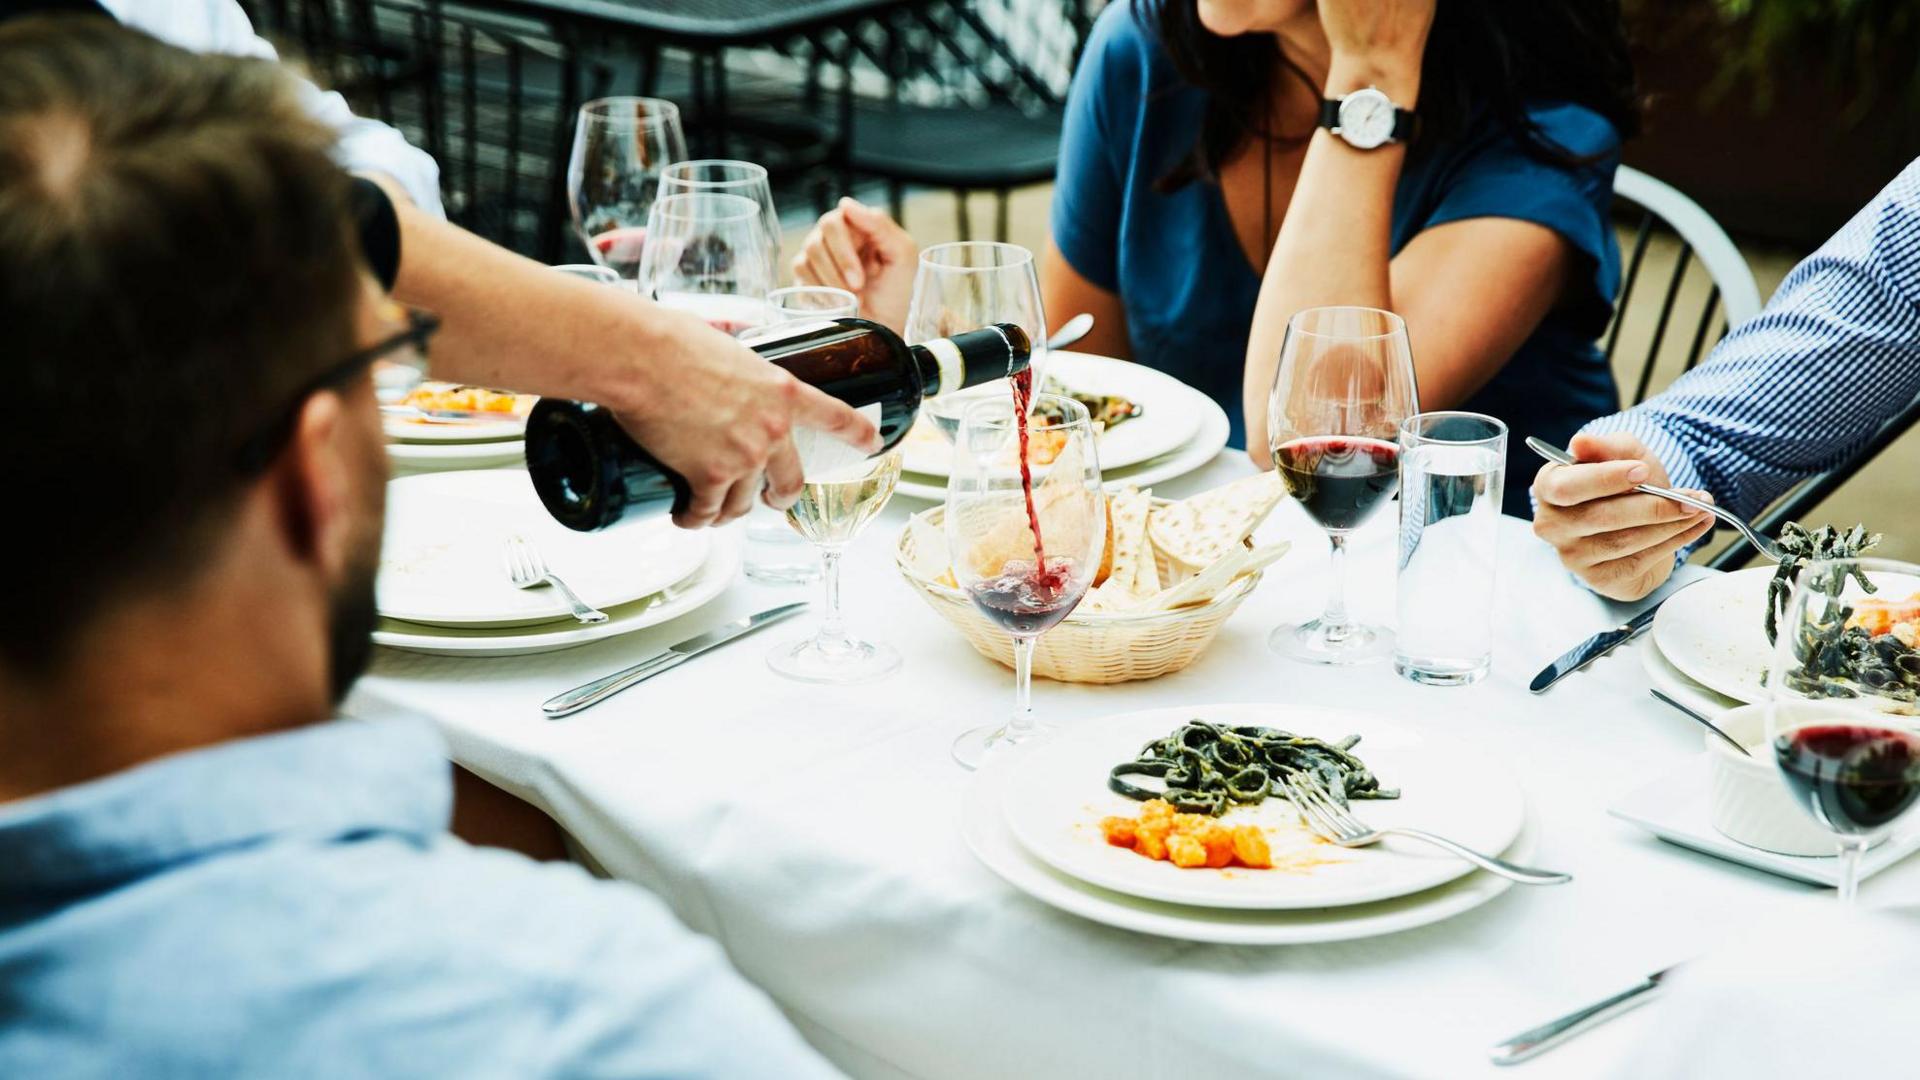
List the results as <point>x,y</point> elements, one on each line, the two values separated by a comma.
<point>200,872</point>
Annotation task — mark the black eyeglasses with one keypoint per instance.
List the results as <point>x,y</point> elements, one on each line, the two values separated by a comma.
<point>256,453</point>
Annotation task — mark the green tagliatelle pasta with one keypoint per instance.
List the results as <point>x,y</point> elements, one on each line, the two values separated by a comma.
<point>1207,768</point>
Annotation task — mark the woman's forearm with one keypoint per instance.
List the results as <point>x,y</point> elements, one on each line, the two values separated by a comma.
<point>1335,244</point>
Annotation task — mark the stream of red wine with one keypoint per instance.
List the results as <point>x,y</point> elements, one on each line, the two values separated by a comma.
<point>1023,400</point>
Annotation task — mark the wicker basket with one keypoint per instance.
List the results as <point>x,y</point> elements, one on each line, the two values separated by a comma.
<point>1088,647</point>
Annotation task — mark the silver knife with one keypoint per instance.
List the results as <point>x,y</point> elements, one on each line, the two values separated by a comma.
<point>1592,649</point>
<point>601,689</point>
<point>1535,1041</point>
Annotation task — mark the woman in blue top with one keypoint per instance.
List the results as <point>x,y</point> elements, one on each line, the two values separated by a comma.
<point>1200,203</point>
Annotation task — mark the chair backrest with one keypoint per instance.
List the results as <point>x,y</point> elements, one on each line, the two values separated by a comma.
<point>492,100</point>
<point>1020,52</point>
<point>1687,234</point>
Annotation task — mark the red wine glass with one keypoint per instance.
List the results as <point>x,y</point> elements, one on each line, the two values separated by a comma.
<point>1026,522</point>
<point>1333,425</point>
<point>1841,701</point>
<point>621,147</point>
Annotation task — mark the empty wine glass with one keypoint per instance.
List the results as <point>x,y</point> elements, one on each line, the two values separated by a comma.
<point>832,509</point>
<point>1024,536</point>
<point>621,146</point>
<point>707,254</point>
<point>797,303</point>
<point>1333,424</point>
<point>1841,701</point>
<point>967,285</point>
<point>722,177</point>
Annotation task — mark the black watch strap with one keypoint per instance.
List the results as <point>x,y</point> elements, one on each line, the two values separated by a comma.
<point>1406,123</point>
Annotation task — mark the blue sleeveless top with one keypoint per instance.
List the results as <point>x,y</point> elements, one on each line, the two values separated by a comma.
<point>1189,293</point>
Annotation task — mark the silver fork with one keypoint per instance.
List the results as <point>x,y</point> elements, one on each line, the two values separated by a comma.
<point>1329,819</point>
<point>527,570</point>
<point>1764,546</point>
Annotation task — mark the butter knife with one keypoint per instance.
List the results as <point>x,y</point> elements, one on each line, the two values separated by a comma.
<point>1536,1041</point>
<point>1592,649</point>
<point>599,690</point>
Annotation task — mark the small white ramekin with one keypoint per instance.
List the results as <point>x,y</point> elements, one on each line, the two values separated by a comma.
<point>1750,804</point>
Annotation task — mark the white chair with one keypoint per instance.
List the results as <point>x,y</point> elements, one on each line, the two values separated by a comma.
<point>1663,208</point>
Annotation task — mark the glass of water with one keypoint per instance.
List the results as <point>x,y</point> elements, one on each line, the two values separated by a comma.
<point>1452,471</point>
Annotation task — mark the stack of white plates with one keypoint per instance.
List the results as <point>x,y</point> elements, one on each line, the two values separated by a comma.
<point>418,445</point>
<point>1034,821</point>
<point>1179,429</point>
<point>443,585</point>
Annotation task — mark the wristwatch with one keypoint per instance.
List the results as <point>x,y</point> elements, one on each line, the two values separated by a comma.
<point>1368,118</point>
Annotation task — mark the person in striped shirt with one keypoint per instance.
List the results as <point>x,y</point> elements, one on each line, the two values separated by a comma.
<point>1790,393</point>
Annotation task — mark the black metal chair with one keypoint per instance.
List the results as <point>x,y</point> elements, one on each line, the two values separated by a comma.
<point>491,99</point>
<point>968,109</point>
<point>1662,210</point>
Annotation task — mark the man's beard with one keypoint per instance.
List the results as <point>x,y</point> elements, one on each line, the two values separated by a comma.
<point>351,615</point>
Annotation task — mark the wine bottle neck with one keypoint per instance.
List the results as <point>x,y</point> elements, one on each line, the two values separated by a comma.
<point>969,359</point>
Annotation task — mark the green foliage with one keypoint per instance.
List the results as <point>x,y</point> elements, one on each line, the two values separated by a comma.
<point>1866,49</point>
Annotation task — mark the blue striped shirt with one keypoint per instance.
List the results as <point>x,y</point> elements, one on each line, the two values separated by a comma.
<point>1800,387</point>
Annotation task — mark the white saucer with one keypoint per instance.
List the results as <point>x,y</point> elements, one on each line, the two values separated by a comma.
<point>447,456</point>
<point>1674,808</point>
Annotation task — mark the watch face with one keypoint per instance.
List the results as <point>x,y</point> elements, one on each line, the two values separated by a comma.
<point>1366,118</point>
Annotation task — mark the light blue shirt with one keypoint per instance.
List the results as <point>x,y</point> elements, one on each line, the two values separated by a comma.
<point>1802,386</point>
<point>292,905</point>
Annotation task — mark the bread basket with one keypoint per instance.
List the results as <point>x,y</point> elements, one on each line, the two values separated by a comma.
<point>1088,647</point>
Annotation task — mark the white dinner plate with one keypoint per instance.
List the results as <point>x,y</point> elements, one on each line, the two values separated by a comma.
<point>1058,793</point>
<point>1670,681</point>
<point>1206,444</point>
<point>451,456</point>
<point>443,561</point>
<point>404,430</point>
<point>709,582</point>
<point>984,828</point>
<point>1170,414</point>
<point>1676,809</point>
<point>1714,631</point>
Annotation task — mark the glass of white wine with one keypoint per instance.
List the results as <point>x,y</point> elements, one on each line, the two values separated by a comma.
<point>833,507</point>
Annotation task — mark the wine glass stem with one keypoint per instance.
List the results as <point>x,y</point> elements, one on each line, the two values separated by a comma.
<point>1021,722</point>
<point>1851,848</point>
<point>832,635</point>
<point>1335,617</point>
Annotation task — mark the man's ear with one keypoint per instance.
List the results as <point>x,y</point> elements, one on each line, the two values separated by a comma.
<point>314,481</point>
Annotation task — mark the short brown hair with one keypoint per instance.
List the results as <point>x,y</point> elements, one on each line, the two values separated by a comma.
<point>176,260</point>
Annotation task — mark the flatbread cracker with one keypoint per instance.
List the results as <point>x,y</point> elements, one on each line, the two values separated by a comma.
<point>1129,507</point>
<point>1197,531</point>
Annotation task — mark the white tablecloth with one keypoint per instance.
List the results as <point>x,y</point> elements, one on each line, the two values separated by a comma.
<point>813,832</point>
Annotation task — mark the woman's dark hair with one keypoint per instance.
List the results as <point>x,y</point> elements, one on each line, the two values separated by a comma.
<point>1489,57</point>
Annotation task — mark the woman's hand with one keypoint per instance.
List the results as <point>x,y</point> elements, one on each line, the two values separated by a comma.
<point>1375,41</point>
<point>860,249</point>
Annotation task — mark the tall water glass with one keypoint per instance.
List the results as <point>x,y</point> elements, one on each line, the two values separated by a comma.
<point>1453,468</point>
<point>722,177</point>
<point>776,555</point>
<point>1842,698</point>
<point>707,254</point>
<point>968,285</point>
<point>621,146</point>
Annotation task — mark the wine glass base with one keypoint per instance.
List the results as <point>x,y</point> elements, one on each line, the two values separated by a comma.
<point>1318,642</point>
<point>986,743</point>
<point>854,662</point>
